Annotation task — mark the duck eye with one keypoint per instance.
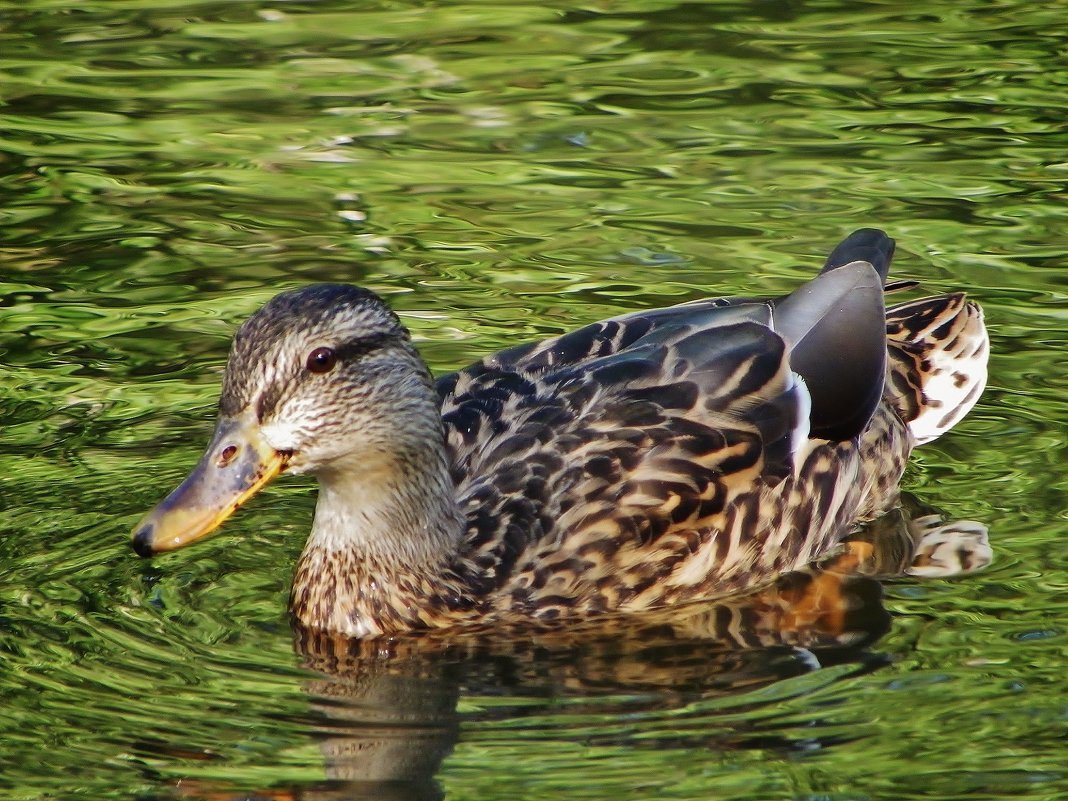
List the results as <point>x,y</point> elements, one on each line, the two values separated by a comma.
<point>321,360</point>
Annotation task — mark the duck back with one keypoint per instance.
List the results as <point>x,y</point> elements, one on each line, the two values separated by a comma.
<point>695,451</point>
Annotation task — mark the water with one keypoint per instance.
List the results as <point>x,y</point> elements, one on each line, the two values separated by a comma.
<point>503,172</point>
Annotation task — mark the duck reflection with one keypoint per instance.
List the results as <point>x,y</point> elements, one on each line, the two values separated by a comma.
<point>388,708</point>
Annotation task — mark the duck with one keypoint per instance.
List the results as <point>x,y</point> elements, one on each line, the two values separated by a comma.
<point>666,456</point>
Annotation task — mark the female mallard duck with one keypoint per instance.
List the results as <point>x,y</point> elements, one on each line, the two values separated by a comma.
<point>658,457</point>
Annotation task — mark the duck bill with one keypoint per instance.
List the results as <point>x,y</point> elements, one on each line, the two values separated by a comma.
<point>237,464</point>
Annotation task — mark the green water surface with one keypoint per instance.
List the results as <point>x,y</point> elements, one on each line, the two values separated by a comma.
<point>501,172</point>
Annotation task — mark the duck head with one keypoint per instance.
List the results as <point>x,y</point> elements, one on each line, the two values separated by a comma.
<point>316,382</point>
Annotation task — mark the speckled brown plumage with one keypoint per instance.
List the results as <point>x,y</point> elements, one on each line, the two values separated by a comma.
<point>661,457</point>
<point>831,603</point>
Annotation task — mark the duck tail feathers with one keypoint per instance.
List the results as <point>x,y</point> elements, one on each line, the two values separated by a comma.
<point>865,244</point>
<point>938,349</point>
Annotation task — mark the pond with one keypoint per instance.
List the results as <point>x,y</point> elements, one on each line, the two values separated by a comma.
<point>502,172</point>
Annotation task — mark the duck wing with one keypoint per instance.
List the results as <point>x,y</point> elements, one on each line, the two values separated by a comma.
<point>834,325</point>
<point>735,354</point>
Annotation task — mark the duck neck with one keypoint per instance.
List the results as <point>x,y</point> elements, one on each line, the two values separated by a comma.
<point>387,528</point>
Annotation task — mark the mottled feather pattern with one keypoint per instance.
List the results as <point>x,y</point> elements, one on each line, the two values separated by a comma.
<point>613,488</point>
<point>657,458</point>
<point>938,350</point>
<point>833,602</point>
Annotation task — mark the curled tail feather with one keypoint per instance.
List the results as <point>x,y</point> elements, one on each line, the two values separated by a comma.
<point>938,350</point>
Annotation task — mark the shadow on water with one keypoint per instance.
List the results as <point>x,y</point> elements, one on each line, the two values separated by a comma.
<point>385,712</point>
